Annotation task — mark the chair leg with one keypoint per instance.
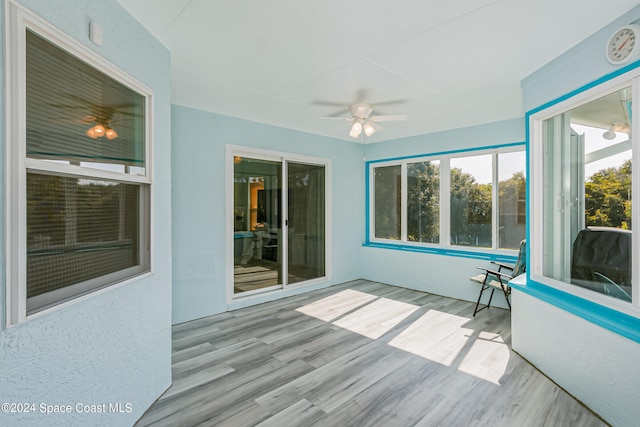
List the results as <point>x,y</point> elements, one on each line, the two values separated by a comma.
<point>484,288</point>
<point>491,297</point>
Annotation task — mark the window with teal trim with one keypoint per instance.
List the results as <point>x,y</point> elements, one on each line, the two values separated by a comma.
<point>476,198</point>
<point>587,203</point>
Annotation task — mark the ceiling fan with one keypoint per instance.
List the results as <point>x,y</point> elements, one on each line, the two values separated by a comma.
<point>362,120</point>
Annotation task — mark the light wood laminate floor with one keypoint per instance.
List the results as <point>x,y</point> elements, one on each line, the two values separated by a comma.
<point>358,354</point>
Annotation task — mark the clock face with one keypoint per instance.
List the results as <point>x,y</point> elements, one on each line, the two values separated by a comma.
<point>622,45</point>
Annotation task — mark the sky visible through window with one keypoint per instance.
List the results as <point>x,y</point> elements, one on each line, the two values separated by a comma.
<point>593,141</point>
<point>482,172</point>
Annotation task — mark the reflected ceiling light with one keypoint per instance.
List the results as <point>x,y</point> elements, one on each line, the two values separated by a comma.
<point>99,130</point>
<point>610,134</point>
<point>91,133</point>
<point>356,129</point>
<point>110,134</point>
<point>369,129</point>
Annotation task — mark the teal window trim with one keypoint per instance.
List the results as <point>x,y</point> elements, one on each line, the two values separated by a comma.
<point>446,153</point>
<point>479,255</point>
<point>490,255</point>
<point>612,320</point>
<point>581,89</point>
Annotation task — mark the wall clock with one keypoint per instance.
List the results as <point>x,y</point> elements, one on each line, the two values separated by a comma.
<point>624,45</point>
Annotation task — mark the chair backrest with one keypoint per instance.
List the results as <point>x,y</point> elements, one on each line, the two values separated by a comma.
<point>521,263</point>
<point>602,250</point>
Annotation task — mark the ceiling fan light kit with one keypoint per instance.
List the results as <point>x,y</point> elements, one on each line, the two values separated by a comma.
<point>361,120</point>
<point>356,129</point>
<point>369,129</point>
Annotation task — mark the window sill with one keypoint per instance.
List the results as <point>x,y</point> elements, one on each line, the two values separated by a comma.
<point>615,321</point>
<point>486,255</point>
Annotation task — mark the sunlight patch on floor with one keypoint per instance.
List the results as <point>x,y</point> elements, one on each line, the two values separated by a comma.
<point>376,318</point>
<point>487,359</point>
<point>436,336</point>
<point>336,305</point>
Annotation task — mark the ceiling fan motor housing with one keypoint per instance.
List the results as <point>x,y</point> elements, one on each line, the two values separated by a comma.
<point>361,111</point>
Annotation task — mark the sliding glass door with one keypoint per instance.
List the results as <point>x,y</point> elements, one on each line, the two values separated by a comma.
<point>279,222</point>
<point>306,224</point>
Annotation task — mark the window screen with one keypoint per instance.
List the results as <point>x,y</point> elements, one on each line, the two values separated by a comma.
<point>78,229</point>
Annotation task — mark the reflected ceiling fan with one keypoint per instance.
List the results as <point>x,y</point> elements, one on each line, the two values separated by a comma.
<point>101,117</point>
<point>363,121</point>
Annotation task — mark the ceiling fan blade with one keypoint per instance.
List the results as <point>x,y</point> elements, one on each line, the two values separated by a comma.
<point>361,95</point>
<point>85,119</point>
<point>389,118</point>
<point>390,102</point>
<point>376,126</point>
<point>337,118</point>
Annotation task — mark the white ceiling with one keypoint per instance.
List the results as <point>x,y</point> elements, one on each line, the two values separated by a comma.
<point>445,64</point>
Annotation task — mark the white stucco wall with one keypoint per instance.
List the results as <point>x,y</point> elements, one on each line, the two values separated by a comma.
<point>113,348</point>
<point>597,366</point>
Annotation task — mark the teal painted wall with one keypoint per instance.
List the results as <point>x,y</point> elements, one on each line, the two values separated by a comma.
<point>198,162</point>
<point>579,66</point>
<point>497,133</point>
<point>198,151</point>
<point>593,363</point>
<point>114,347</point>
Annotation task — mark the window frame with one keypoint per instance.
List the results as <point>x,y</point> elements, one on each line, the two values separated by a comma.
<point>444,246</point>
<point>17,165</point>
<point>535,185</point>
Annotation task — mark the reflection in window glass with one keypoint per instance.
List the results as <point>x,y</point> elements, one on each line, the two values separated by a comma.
<point>607,172</point>
<point>511,200</point>
<point>423,202</point>
<point>257,224</point>
<point>76,113</point>
<point>471,195</point>
<point>387,202</point>
<point>587,198</point>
